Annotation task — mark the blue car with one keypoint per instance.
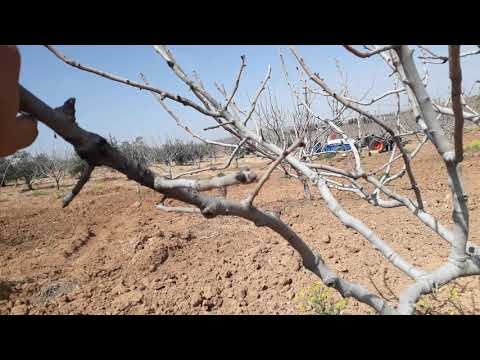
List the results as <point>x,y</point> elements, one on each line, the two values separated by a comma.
<point>333,148</point>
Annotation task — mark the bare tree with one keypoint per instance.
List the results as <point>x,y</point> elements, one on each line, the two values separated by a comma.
<point>51,166</point>
<point>464,258</point>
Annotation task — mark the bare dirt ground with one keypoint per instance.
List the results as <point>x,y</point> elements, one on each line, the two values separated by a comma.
<point>112,252</point>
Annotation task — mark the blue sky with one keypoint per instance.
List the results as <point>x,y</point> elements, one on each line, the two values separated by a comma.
<point>108,107</point>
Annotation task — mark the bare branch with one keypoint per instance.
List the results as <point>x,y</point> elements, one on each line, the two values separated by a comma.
<point>266,175</point>
<point>350,221</point>
<point>199,92</point>
<point>178,209</point>
<point>78,186</point>
<point>456,79</point>
<point>433,56</point>
<point>347,103</point>
<point>214,168</point>
<point>444,59</point>
<point>179,123</point>
<point>219,125</point>
<point>244,176</point>
<point>363,54</point>
<point>375,99</point>
<point>259,92</point>
<point>116,78</point>
<point>237,82</point>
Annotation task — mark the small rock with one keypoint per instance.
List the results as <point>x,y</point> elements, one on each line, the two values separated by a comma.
<point>119,289</point>
<point>228,274</point>
<point>197,300</point>
<point>328,240</point>
<point>209,292</point>
<point>19,310</point>
<point>287,282</point>
<point>6,288</point>
<point>188,236</point>
<point>127,300</point>
<point>209,304</point>
<point>158,258</point>
<point>242,294</point>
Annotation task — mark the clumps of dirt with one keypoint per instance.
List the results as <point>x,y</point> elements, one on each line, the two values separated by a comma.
<point>6,289</point>
<point>80,238</point>
<point>151,251</point>
<point>149,259</point>
<point>115,253</point>
<point>209,298</point>
<point>20,297</point>
<point>127,300</point>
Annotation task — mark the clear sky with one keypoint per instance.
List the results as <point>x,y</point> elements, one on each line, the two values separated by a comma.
<point>108,107</point>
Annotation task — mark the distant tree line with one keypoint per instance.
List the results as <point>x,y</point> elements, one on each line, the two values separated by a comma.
<point>28,167</point>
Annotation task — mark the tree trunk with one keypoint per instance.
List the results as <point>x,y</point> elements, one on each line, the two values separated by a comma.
<point>306,190</point>
<point>28,182</point>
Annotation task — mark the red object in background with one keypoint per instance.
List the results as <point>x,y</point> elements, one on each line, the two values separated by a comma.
<point>333,135</point>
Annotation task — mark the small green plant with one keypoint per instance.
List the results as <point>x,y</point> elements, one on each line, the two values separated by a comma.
<point>320,299</point>
<point>444,302</point>
<point>424,306</point>
<point>221,174</point>
<point>474,146</point>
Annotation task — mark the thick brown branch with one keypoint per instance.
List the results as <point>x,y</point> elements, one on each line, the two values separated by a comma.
<point>78,186</point>
<point>456,79</point>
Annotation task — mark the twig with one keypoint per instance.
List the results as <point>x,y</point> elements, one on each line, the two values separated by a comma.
<point>214,168</point>
<point>116,78</point>
<point>219,125</point>
<point>259,91</point>
<point>266,175</point>
<point>363,54</point>
<point>78,186</point>
<point>179,123</point>
<point>237,82</point>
